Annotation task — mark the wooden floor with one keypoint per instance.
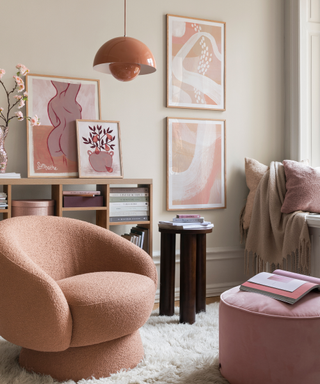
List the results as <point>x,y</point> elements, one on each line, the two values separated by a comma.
<point>209,300</point>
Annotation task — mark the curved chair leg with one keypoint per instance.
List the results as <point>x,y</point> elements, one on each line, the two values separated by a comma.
<point>99,360</point>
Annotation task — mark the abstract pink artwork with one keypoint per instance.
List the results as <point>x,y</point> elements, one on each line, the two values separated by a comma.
<point>59,102</point>
<point>195,63</point>
<point>195,164</point>
<point>99,149</point>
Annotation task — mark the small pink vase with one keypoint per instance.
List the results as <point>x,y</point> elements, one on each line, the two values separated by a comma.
<point>3,153</point>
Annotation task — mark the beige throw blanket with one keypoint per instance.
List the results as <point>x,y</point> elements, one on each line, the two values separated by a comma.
<point>279,239</point>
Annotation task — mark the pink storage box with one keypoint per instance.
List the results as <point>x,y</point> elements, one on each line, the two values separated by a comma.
<point>32,208</point>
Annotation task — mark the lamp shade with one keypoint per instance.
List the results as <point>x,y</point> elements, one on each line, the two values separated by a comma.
<point>125,58</point>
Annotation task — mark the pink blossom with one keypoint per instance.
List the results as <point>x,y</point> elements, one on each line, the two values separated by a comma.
<point>19,114</point>
<point>18,97</point>
<point>1,109</point>
<point>25,94</point>
<point>20,83</point>
<point>18,79</point>
<point>21,103</point>
<point>23,70</point>
<point>35,120</point>
<point>2,72</point>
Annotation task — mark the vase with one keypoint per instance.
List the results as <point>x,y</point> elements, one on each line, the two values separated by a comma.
<point>3,153</point>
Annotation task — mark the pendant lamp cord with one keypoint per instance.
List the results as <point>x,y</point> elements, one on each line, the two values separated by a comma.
<point>125,18</point>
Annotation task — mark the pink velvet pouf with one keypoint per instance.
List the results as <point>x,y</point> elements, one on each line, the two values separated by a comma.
<point>266,341</point>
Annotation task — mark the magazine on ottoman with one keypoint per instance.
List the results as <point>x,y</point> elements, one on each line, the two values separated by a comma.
<point>281,285</point>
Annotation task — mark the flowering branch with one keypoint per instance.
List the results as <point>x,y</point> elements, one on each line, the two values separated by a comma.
<point>20,99</point>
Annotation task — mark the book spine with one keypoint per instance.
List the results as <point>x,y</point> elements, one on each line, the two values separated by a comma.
<point>114,219</point>
<point>130,204</point>
<point>129,190</point>
<point>71,193</point>
<point>187,216</point>
<point>146,194</point>
<point>128,198</point>
<point>128,213</point>
<point>188,220</point>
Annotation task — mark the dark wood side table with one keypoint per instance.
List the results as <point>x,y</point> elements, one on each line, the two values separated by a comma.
<point>192,272</point>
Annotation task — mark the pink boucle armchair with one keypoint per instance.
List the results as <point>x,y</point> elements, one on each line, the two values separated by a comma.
<point>73,295</point>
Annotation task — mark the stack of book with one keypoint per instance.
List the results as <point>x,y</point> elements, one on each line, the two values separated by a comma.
<point>82,199</point>
<point>186,221</point>
<point>3,200</point>
<point>12,175</point>
<point>129,204</point>
<point>139,236</point>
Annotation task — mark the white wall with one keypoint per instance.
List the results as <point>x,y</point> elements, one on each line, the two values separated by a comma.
<point>61,37</point>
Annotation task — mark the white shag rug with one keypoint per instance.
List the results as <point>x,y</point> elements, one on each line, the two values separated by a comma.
<point>174,354</point>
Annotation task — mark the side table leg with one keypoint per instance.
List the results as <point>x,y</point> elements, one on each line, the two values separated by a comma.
<point>201,273</point>
<point>188,278</point>
<point>167,272</point>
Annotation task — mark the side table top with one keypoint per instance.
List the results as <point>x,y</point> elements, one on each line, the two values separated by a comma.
<point>185,231</point>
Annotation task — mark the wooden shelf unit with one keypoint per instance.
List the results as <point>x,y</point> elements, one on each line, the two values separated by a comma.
<point>102,185</point>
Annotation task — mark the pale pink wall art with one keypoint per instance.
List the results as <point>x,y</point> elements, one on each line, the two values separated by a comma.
<point>99,149</point>
<point>195,164</point>
<point>195,63</point>
<point>58,102</point>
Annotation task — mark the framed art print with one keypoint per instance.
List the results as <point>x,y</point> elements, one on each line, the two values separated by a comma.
<point>99,149</point>
<point>196,63</point>
<point>195,164</point>
<point>58,102</point>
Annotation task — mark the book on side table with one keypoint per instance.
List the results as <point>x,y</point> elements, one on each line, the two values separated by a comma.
<point>281,285</point>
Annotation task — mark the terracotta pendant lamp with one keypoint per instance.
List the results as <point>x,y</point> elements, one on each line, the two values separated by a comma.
<point>124,57</point>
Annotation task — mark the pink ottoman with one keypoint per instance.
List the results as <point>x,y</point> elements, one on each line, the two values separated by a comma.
<point>266,341</point>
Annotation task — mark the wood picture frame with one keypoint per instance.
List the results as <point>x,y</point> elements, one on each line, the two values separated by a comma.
<point>196,63</point>
<point>99,149</point>
<point>196,164</point>
<point>58,102</point>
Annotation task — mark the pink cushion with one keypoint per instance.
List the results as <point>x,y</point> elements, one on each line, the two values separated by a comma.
<point>265,341</point>
<point>107,305</point>
<point>303,186</point>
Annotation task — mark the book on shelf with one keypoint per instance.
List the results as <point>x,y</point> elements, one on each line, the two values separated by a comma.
<point>139,236</point>
<point>12,175</point>
<point>129,204</point>
<point>119,199</point>
<point>285,286</point>
<point>118,219</point>
<point>145,245</point>
<point>3,195</point>
<point>119,210</point>
<point>129,213</point>
<point>126,195</point>
<point>81,193</point>
<point>3,205</point>
<point>194,226</point>
<point>129,190</point>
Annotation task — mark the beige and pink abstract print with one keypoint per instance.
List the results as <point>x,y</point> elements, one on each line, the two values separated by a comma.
<point>195,164</point>
<point>196,63</point>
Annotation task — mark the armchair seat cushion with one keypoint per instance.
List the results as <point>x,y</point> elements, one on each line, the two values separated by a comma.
<point>107,305</point>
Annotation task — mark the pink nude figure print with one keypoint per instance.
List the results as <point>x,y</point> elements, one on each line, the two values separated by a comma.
<point>63,110</point>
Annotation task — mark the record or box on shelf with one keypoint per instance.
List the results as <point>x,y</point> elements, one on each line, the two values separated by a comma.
<point>81,201</point>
